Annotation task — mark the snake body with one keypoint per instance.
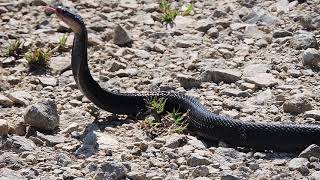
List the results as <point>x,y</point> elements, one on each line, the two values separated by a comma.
<point>257,136</point>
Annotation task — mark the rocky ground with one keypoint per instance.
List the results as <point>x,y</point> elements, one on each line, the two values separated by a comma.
<point>252,60</point>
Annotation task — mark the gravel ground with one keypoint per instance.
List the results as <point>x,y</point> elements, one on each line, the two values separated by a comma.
<point>252,60</point>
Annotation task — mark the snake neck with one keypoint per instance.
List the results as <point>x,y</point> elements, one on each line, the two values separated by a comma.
<point>79,63</point>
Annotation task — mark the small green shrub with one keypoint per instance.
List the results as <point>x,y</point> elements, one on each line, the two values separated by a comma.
<point>189,9</point>
<point>38,57</point>
<point>176,116</point>
<point>13,49</point>
<point>157,105</point>
<point>168,13</point>
<point>63,40</point>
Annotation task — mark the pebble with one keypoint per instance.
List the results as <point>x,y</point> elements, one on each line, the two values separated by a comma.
<point>5,101</point>
<point>297,163</point>
<point>20,97</point>
<point>311,151</point>
<point>304,40</point>
<point>4,127</point>
<point>110,170</point>
<point>42,115</point>
<point>218,75</point>
<point>121,36</point>
<point>281,33</point>
<point>188,81</point>
<point>315,175</point>
<point>296,104</point>
<point>175,140</point>
<point>311,57</point>
<point>48,81</point>
<point>262,80</point>
<point>197,160</point>
<point>200,171</point>
<point>19,144</point>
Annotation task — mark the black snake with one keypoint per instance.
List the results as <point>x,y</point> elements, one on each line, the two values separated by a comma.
<point>258,136</point>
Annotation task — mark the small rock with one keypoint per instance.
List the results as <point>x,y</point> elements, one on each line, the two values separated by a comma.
<point>297,163</point>
<point>59,64</point>
<point>204,25</point>
<point>19,143</point>
<point>315,114</point>
<point>86,151</point>
<point>106,141</point>
<point>115,66</point>
<point>213,32</point>
<point>5,101</point>
<point>218,75</point>
<point>38,3</point>
<point>159,48</point>
<point>4,127</point>
<point>175,140</point>
<point>51,140</point>
<point>126,72</point>
<point>315,175</point>
<point>8,174</point>
<point>110,170</point>
<point>72,127</point>
<point>48,81</point>
<point>311,151</point>
<point>42,115</point>
<point>235,92</point>
<point>296,104</point>
<point>304,40</point>
<point>197,160</point>
<point>188,81</point>
<point>121,36</point>
<point>11,160</point>
<point>253,32</point>
<point>229,177</point>
<point>262,80</point>
<point>281,34</point>
<point>202,178</point>
<point>200,171</point>
<point>311,57</point>
<point>135,175</point>
<point>20,97</point>
<point>63,160</point>
<point>187,40</point>
<point>71,173</point>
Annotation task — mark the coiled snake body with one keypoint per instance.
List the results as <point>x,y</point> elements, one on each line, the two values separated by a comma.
<point>258,136</point>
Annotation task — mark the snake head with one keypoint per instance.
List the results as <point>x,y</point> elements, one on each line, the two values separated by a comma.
<point>73,20</point>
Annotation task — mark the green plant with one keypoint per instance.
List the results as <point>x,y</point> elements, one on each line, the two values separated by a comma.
<point>180,129</point>
<point>150,121</point>
<point>38,57</point>
<point>157,105</point>
<point>13,49</point>
<point>93,111</point>
<point>168,13</point>
<point>63,40</point>
<point>189,9</point>
<point>176,116</point>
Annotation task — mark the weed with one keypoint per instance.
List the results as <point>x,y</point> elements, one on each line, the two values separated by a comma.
<point>149,121</point>
<point>157,105</point>
<point>189,9</point>
<point>176,116</point>
<point>13,49</point>
<point>169,14</point>
<point>180,129</point>
<point>63,40</point>
<point>38,57</point>
<point>93,111</point>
